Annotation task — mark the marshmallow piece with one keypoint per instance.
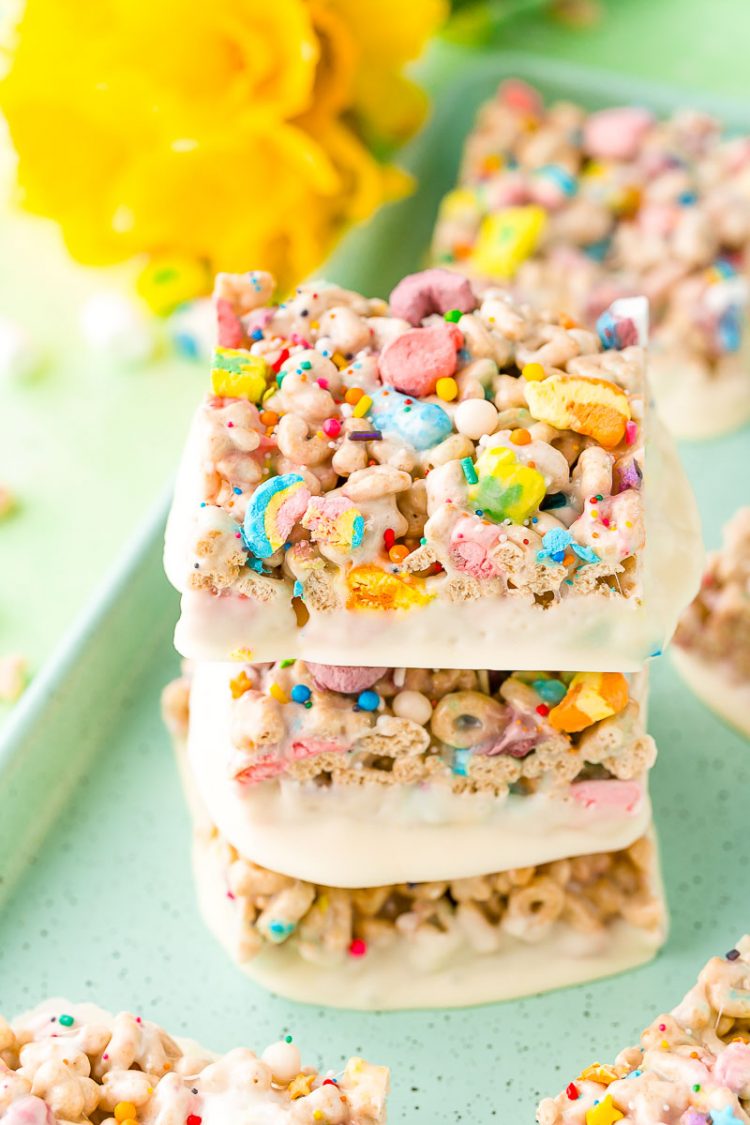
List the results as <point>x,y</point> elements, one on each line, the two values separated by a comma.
<point>506,489</point>
<point>414,361</point>
<point>615,134</point>
<point>431,291</point>
<point>591,696</point>
<point>237,373</point>
<point>118,326</point>
<point>507,238</point>
<point>596,408</point>
<point>345,679</point>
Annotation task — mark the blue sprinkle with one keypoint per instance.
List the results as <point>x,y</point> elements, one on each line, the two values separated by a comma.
<point>237,491</point>
<point>598,251</point>
<point>368,701</point>
<point>729,329</point>
<point>300,693</point>
<point>460,766</point>
<point>553,500</point>
<point>464,355</point>
<point>278,931</point>
<point>551,691</point>
<point>725,267</point>
<point>203,503</point>
<point>687,198</point>
<point>256,334</point>
<point>297,590</point>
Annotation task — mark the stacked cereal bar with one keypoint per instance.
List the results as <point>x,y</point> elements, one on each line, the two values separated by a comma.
<point>437,537</point>
<point>691,1066</point>
<point>70,1064</point>
<point>712,643</point>
<point>405,476</point>
<point>520,768</point>
<point>580,208</point>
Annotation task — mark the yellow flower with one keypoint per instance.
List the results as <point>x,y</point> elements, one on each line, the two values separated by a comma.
<point>221,133</point>
<point>388,34</point>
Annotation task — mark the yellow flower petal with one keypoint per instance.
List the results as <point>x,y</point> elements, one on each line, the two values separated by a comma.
<point>337,61</point>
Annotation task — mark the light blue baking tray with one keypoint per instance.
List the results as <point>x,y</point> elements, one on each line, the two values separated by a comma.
<point>96,898</point>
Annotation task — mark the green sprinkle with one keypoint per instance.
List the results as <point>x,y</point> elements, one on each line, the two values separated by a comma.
<point>453,316</point>
<point>66,1021</point>
<point>305,365</point>
<point>423,540</point>
<point>696,1088</point>
<point>469,471</point>
<point>287,663</point>
<point>287,1039</point>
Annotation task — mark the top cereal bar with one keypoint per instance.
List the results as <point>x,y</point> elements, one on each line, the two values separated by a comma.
<point>447,478</point>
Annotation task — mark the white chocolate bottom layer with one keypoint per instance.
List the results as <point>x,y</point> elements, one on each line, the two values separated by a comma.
<point>595,632</point>
<point>714,686</point>
<point>399,976</point>
<point>374,835</point>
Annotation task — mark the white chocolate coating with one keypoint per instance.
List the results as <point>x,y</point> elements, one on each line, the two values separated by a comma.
<point>717,687</point>
<point>370,835</point>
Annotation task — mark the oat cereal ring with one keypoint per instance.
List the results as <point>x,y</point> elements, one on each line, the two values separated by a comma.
<point>534,908</point>
<point>467,719</point>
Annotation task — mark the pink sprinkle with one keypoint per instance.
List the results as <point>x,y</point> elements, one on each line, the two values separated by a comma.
<point>662,1027</point>
<point>230,895</point>
<point>631,432</point>
<point>358,948</point>
<point>332,427</point>
<point>605,521</point>
<point>237,535</point>
<point>105,1056</point>
<point>138,1019</point>
<point>323,383</point>
<point>230,425</point>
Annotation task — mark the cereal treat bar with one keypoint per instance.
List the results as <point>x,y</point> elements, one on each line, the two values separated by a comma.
<point>692,1067</point>
<point>448,476</point>
<point>365,776</point>
<point>579,208</point>
<point>712,644</point>
<point>74,1064</point>
<point>433,944</point>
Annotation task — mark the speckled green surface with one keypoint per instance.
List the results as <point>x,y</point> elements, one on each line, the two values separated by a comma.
<point>101,906</point>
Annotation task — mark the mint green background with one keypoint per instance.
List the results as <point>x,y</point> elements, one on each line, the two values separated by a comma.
<point>96,898</point>
<point>89,446</point>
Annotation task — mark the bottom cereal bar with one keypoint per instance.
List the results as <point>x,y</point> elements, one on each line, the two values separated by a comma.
<point>437,944</point>
<point>359,776</point>
<point>692,1066</point>
<point>69,1064</point>
<point>712,644</point>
